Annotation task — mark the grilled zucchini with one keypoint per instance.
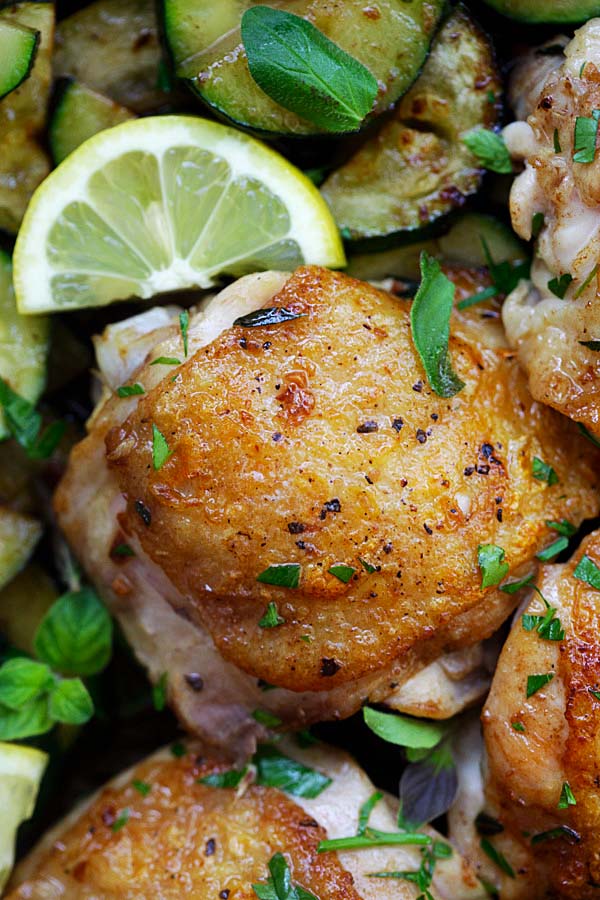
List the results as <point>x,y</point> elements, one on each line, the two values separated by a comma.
<point>78,114</point>
<point>390,38</point>
<point>113,48</point>
<point>23,163</point>
<point>18,46</point>
<point>545,11</point>
<point>416,168</point>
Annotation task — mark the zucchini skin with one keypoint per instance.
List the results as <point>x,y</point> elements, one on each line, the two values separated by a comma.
<point>13,74</point>
<point>241,102</point>
<point>547,11</point>
<point>415,170</point>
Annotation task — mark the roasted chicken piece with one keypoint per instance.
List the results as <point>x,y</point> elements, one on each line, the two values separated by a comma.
<point>315,444</point>
<point>554,321</point>
<point>542,764</point>
<point>160,831</point>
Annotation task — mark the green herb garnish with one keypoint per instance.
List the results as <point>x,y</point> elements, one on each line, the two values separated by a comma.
<point>342,572</point>
<point>159,692</point>
<point>490,560</point>
<point>25,424</point>
<point>542,471</point>
<point>130,390</point>
<point>280,886</point>
<point>120,822</point>
<point>497,857</point>
<point>404,731</point>
<point>271,618</point>
<point>184,324</point>
<point>536,682</point>
<point>490,150</point>
<point>281,575</point>
<point>588,571</point>
<point>160,449</point>
<point>586,132</point>
<point>567,798</point>
<point>430,324</point>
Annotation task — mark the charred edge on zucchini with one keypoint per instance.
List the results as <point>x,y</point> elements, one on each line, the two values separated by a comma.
<point>416,168</point>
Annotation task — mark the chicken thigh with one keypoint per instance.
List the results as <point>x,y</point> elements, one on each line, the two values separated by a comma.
<point>170,828</point>
<point>541,726</point>
<point>554,320</point>
<point>312,450</point>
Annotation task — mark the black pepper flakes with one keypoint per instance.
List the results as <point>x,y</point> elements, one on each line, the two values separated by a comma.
<point>277,437</point>
<point>143,512</point>
<point>421,436</point>
<point>397,424</point>
<point>224,895</point>
<point>195,681</point>
<point>499,513</point>
<point>468,470</point>
<point>296,527</point>
<point>368,427</point>
<point>427,528</point>
<point>418,387</point>
<point>329,667</point>
<point>330,506</point>
<point>387,547</point>
<point>211,845</point>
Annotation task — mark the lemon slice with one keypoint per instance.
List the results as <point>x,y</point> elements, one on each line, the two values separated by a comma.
<point>164,203</point>
<point>21,770</point>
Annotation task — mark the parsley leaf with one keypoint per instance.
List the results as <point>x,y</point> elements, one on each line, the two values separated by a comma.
<point>588,571</point>
<point>266,718</point>
<point>587,282</point>
<point>75,635</point>
<point>160,449</point>
<point>159,692</point>
<point>279,886</point>
<point>120,821</point>
<point>142,787</point>
<point>302,70</point>
<point>497,857</point>
<point>560,285</point>
<point>166,361</point>
<point>490,150</point>
<point>547,626</point>
<point>536,682</point>
<point>564,527</point>
<point>542,471</point>
<point>130,390</point>
<point>281,575</point>
<point>513,586</point>
<point>556,141</point>
<point>490,559</point>
<point>271,618</point>
<point>342,572</point>
<point>229,779</point>
<point>364,813</point>
<point>567,798</point>
<point>586,131</point>
<point>430,324</point>
<point>537,223</point>
<point>273,769</point>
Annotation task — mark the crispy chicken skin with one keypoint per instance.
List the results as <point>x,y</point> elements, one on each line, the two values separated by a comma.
<point>548,331</point>
<point>556,740</point>
<point>318,442</point>
<point>186,839</point>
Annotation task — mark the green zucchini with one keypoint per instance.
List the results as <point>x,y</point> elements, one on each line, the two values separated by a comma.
<point>113,48</point>
<point>18,46</point>
<point>23,344</point>
<point>391,38</point>
<point>78,114</point>
<point>547,10</point>
<point>416,168</point>
<point>462,245</point>
<point>23,162</point>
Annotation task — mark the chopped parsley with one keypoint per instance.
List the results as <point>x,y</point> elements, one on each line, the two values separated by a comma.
<point>537,223</point>
<point>547,626</point>
<point>166,361</point>
<point>342,572</point>
<point>364,813</point>
<point>279,885</point>
<point>490,150</point>
<point>536,682</point>
<point>160,449</point>
<point>266,718</point>
<point>560,285</point>
<point>271,618</point>
<point>24,423</point>
<point>567,798</point>
<point>142,787</point>
<point>543,471</point>
<point>423,876</point>
<point>159,692</point>
<point>130,390</point>
<point>556,139</point>
<point>561,831</point>
<point>586,132</point>
<point>490,559</point>
<point>565,527</point>
<point>585,284</point>
<point>229,779</point>
<point>122,550</point>
<point>513,586</point>
<point>281,575</point>
<point>517,726</point>
<point>367,566</point>
<point>374,838</point>
<point>588,571</point>
<point>120,821</point>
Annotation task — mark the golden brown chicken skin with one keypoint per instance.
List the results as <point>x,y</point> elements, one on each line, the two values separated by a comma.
<point>318,443</point>
<point>157,831</point>
<point>543,751</point>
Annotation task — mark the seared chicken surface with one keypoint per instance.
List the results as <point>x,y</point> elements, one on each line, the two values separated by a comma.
<point>550,319</point>
<point>537,745</point>
<point>313,443</point>
<point>183,838</point>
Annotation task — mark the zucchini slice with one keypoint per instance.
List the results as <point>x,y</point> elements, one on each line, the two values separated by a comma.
<point>391,38</point>
<point>416,168</point>
<point>78,114</point>
<point>547,10</point>
<point>18,46</point>
<point>23,344</point>
<point>23,162</point>
<point>18,536</point>
<point>113,48</point>
<point>462,245</point>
